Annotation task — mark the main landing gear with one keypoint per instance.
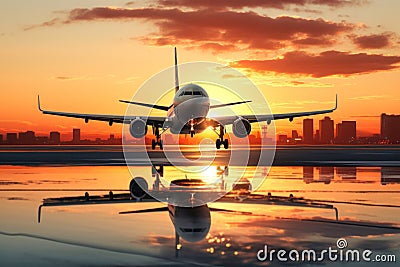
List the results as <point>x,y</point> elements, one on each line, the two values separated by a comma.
<point>157,141</point>
<point>220,141</point>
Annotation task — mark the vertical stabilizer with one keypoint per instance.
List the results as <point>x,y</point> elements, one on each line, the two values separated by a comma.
<point>176,71</point>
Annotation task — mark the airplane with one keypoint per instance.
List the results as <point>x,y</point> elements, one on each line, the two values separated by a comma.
<point>192,222</point>
<point>188,114</point>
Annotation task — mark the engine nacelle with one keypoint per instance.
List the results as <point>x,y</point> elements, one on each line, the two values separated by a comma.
<point>138,128</point>
<point>138,188</point>
<point>241,128</point>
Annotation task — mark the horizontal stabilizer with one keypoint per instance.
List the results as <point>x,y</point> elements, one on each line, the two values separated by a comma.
<point>165,108</point>
<point>229,104</point>
<point>145,210</point>
<point>231,211</point>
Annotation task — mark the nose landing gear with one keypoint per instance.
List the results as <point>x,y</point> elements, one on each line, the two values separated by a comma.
<point>191,128</point>
<point>157,141</point>
<point>220,141</point>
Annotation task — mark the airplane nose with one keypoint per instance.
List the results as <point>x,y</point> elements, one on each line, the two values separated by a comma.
<point>192,109</point>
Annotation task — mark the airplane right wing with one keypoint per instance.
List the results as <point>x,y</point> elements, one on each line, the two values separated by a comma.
<point>259,199</point>
<point>229,104</point>
<point>150,120</point>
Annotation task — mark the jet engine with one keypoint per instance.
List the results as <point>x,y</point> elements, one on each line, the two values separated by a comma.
<point>138,128</point>
<point>241,128</point>
<point>138,188</point>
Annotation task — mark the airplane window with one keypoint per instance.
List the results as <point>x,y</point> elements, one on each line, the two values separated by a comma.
<point>188,92</point>
<point>197,93</point>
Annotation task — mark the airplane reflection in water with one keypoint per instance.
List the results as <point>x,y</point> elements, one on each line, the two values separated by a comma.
<point>193,221</point>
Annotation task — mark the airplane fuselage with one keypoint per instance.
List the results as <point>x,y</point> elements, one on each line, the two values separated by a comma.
<point>191,223</point>
<point>189,110</point>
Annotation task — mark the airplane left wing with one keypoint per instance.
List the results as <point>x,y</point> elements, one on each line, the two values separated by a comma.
<point>86,199</point>
<point>150,120</point>
<point>227,120</point>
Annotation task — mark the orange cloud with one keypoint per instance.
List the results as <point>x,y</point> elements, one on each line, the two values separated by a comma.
<point>328,63</point>
<point>221,30</point>
<point>374,41</point>
<point>239,4</point>
<point>221,27</point>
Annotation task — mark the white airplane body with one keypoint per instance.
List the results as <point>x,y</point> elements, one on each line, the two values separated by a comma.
<point>188,114</point>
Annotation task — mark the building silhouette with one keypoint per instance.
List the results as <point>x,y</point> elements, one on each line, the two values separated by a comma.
<point>76,136</point>
<point>326,131</point>
<point>295,139</point>
<point>1,138</point>
<point>346,132</point>
<point>390,175</point>
<point>316,137</point>
<point>308,174</point>
<point>282,139</point>
<point>308,131</point>
<point>347,173</point>
<point>27,138</point>
<point>41,140</point>
<point>326,174</point>
<point>264,135</point>
<point>390,128</point>
<point>55,138</point>
<point>11,138</point>
<point>264,130</point>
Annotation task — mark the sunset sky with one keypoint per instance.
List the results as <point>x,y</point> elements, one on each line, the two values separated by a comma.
<point>84,56</point>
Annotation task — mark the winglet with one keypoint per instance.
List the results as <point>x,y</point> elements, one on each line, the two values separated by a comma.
<point>40,213</point>
<point>336,103</point>
<point>38,101</point>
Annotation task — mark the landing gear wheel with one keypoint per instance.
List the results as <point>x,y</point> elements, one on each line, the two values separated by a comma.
<point>160,143</point>
<point>226,144</point>
<point>153,144</point>
<point>218,143</point>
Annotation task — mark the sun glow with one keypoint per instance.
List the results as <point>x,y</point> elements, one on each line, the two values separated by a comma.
<point>210,174</point>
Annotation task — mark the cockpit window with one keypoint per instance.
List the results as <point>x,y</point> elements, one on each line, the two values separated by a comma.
<point>192,230</point>
<point>197,93</point>
<point>193,91</point>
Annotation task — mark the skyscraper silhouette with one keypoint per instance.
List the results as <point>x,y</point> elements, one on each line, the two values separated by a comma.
<point>390,128</point>
<point>326,130</point>
<point>346,132</point>
<point>308,131</point>
<point>76,136</point>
